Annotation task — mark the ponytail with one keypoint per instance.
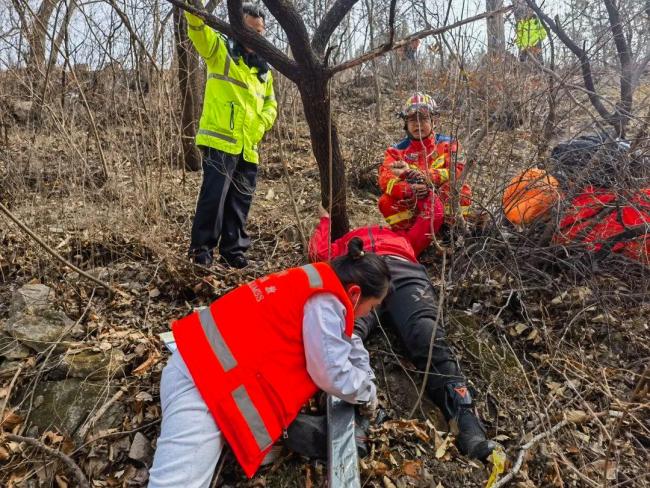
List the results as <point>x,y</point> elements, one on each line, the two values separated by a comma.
<point>358,267</point>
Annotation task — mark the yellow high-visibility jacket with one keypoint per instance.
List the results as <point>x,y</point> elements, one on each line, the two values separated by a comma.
<point>530,33</point>
<point>238,108</point>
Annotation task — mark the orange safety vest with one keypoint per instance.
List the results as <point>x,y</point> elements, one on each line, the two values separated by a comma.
<point>246,356</point>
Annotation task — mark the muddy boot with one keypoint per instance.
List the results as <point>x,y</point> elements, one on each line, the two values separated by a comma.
<point>458,410</point>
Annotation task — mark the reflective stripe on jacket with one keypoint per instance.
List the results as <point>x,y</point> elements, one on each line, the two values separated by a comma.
<point>433,156</point>
<point>247,358</point>
<point>238,108</point>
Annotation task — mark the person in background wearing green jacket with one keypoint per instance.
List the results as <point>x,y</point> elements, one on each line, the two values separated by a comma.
<point>238,108</point>
<point>529,36</point>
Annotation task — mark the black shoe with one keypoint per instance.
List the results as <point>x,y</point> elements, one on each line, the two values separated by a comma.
<point>471,440</point>
<point>238,261</point>
<point>203,258</point>
<point>307,435</point>
<point>457,406</point>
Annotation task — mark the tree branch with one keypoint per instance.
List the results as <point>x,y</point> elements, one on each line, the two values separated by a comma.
<point>264,48</point>
<point>384,48</point>
<point>581,54</point>
<point>134,36</point>
<point>522,451</point>
<point>294,27</point>
<point>55,254</point>
<point>330,22</point>
<point>625,59</point>
<point>391,22</point>
<point>82,482</point>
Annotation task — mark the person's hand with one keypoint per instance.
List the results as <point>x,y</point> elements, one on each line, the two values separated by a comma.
<point>414,176</point>
<point>369,409</point>
<point>322,212</point>
<point>421,190</point>
<point>399,167</point>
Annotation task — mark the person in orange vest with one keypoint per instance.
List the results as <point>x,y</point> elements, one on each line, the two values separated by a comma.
<point>246,364</point>
<point>419,166</point>
<point>411,309</point>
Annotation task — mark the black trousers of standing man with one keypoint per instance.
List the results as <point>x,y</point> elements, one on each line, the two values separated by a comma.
<point>223,204</point>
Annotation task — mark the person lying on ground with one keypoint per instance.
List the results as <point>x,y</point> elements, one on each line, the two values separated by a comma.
<point>411,308</point>
<point>246,364</point>
<point>419,166</point>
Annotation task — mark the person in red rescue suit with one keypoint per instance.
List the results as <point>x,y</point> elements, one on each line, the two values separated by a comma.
<point>246,364</point>
<point>419,166</point>
<point>601,220</point>
<point>411,309</point>
<point>595,206</point>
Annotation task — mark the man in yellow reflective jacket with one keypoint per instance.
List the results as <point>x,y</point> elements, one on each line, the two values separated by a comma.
<point>238,108</point>
<point>530,34</point>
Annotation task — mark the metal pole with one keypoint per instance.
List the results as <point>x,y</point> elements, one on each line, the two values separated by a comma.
<point>343,469</point>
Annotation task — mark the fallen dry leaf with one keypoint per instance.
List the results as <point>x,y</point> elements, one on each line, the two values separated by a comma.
<point>576,416</point>
<point>412,468</point>
<point>442,449</point>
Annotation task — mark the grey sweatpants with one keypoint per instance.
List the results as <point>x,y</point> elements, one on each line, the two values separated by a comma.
<point>190,442</point>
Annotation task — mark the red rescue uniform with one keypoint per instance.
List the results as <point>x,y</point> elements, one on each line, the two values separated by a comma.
<point>609,221</point>
<point>432,156</point>
<point>252,373</point>
<point>378,239</point>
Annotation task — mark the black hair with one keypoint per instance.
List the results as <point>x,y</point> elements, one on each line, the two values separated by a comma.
<point>366,269</point>
<point>253,10</point>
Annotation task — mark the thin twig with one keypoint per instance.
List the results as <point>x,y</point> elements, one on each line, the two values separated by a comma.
<point>6,400</point>
<point>83,430</point>
<point>294,205</point>
<point>522,452</point>
<point>82,482</point>
<point>441,300</point>
<point>55,254</point>
<point>640,387</point>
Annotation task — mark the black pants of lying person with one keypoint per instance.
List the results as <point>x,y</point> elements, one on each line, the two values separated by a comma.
<point>411,310</point>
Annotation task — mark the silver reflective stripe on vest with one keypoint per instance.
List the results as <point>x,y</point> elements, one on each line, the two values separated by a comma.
<point>211,133</point>
<point>225,77</point>
<point>315,280</point>
<point>228,80</point>
<point>219,346</point>
<point>252,416</point>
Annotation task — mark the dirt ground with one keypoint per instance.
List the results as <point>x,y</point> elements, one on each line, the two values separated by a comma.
<point>545,335</point>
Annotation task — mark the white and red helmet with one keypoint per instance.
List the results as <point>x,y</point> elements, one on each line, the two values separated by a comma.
<point>419,102</point>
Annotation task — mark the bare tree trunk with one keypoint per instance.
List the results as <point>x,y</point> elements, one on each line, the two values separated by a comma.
<point>370,7</point>
<point>316,103</point>
<point>37,35</point>
<point>187,64</point>
<point>496,36</point>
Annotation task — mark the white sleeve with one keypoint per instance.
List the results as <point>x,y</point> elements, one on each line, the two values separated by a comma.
<point>329,352</point>
<point>359,356</point>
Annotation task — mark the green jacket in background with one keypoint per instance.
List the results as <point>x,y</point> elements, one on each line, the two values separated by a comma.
<point>530,32</point>
<point>238,108</point>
